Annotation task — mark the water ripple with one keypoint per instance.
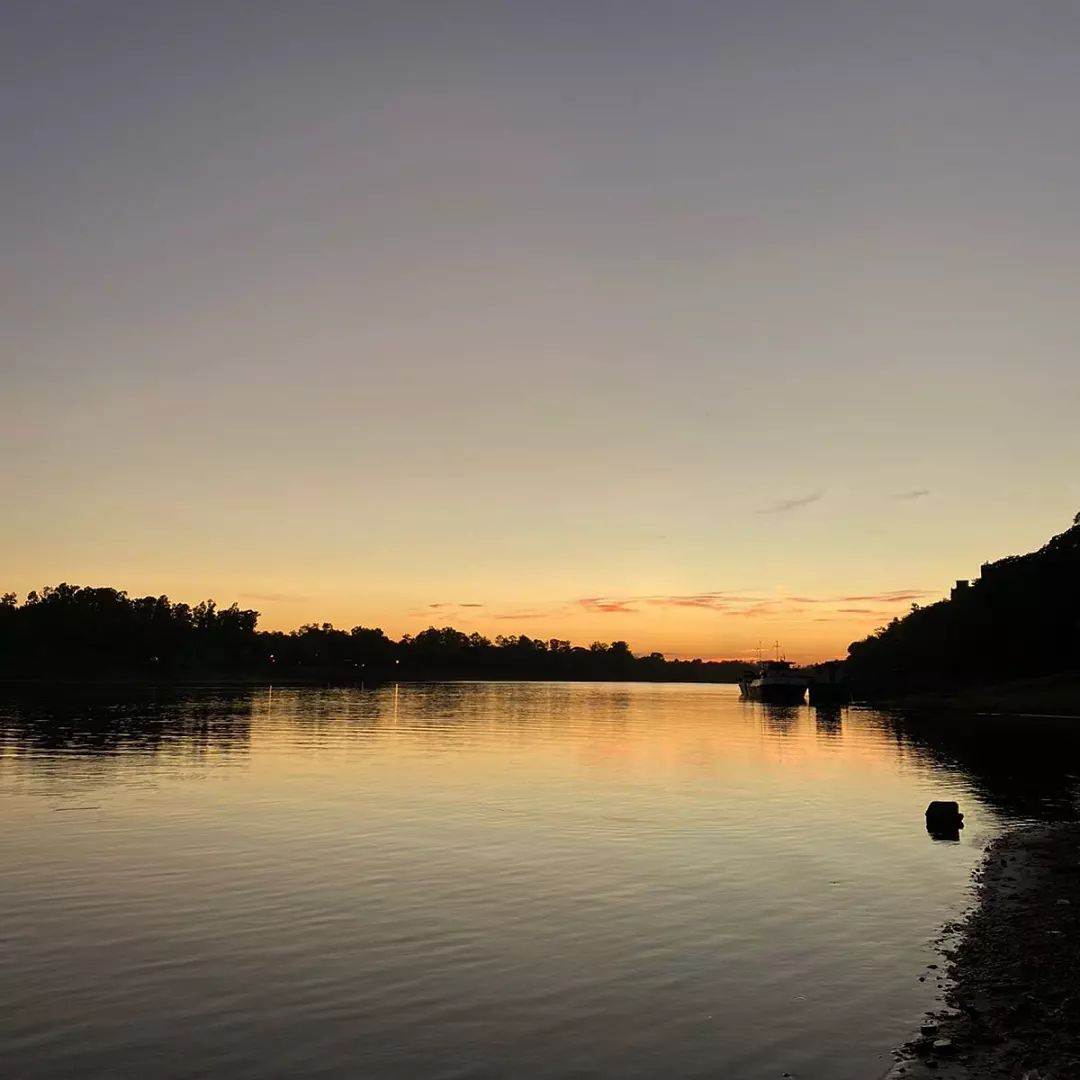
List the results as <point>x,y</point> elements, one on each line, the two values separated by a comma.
<point>467,880</point>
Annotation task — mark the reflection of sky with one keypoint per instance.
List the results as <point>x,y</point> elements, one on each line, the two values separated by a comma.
<point>343,311</point>
<point>473,873</point>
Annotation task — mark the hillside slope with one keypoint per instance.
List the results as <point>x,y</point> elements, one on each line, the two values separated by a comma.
<point>1019,620</point>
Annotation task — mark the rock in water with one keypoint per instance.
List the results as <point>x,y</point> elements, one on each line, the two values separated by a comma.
<point>943,811</point>
<point>944,820</point>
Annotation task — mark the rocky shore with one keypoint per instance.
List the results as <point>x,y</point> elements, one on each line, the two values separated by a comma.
<point>1013,971</point>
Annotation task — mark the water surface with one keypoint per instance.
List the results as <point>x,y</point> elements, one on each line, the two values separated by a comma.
<point>467,880</point>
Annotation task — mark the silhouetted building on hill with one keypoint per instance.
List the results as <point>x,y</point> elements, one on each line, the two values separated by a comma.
<point>1019,619</point>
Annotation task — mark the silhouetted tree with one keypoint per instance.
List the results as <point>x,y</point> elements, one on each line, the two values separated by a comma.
<point>71,631</point>
<point>1021,618</point>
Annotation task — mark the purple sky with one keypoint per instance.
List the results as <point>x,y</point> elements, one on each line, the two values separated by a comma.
<point>359,308</point>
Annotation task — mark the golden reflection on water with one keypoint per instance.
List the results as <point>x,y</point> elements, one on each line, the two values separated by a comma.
<point>379,882</point>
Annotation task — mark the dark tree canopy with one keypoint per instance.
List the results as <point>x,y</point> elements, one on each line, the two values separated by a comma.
<point>1019,619</point>
<point>67,631</point>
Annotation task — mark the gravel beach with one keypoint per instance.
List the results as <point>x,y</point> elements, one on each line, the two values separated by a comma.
<point>1013,988</point>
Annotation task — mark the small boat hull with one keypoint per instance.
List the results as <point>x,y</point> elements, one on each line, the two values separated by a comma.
<point>774,693</point>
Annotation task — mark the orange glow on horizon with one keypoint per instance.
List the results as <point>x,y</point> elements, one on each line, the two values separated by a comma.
<point>713,626</point>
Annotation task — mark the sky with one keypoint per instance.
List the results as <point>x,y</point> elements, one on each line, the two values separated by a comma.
<point>693,324</point>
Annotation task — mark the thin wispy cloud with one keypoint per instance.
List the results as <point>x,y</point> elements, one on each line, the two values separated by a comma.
<point>720,603</point>
<point>898,597</point>
<point>608,607</point>
<point>785,505</point>
<point>740,606</point>
<point>918,493</point>
<point>716,599</point>
<point>708,601</point>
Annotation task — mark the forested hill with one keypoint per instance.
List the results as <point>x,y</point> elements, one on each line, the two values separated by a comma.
<point>1019,619</point>
<point>70,632</point>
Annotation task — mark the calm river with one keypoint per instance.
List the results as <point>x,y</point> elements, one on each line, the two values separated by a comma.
<point>468,880</point>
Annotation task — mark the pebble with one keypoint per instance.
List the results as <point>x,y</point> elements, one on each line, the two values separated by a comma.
<point>929,1028</point>
<point>943,1046</point>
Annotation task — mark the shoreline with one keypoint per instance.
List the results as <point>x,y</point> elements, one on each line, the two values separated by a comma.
<point>331,681</point>
<point>1012,991</point>
<point>1054,695</point>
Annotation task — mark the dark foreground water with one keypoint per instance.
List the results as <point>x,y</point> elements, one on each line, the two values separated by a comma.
<point>469,880</point>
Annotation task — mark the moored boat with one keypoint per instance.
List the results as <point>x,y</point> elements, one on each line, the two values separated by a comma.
<point>775,682</point>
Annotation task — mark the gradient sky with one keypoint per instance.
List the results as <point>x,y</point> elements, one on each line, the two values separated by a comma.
<point>691,324</point>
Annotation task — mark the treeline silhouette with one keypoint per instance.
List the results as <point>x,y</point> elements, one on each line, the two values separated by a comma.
<point>71,632</point>
<point>1020,619</point>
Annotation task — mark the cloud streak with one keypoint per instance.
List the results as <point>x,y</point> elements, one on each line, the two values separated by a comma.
<point>786,505</point>
<point>741,606</point>
<point>707,601</point>
<point>715,602</point>
<point>608,607</point>
<point>918,493</point>
<point>703,601</point>
<point>900,596</point>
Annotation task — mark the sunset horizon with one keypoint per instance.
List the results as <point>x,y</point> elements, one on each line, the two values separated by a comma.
<point>592,316</point>
<point>709,624</point>
<point>599,619</point>
<point>541,540</point>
